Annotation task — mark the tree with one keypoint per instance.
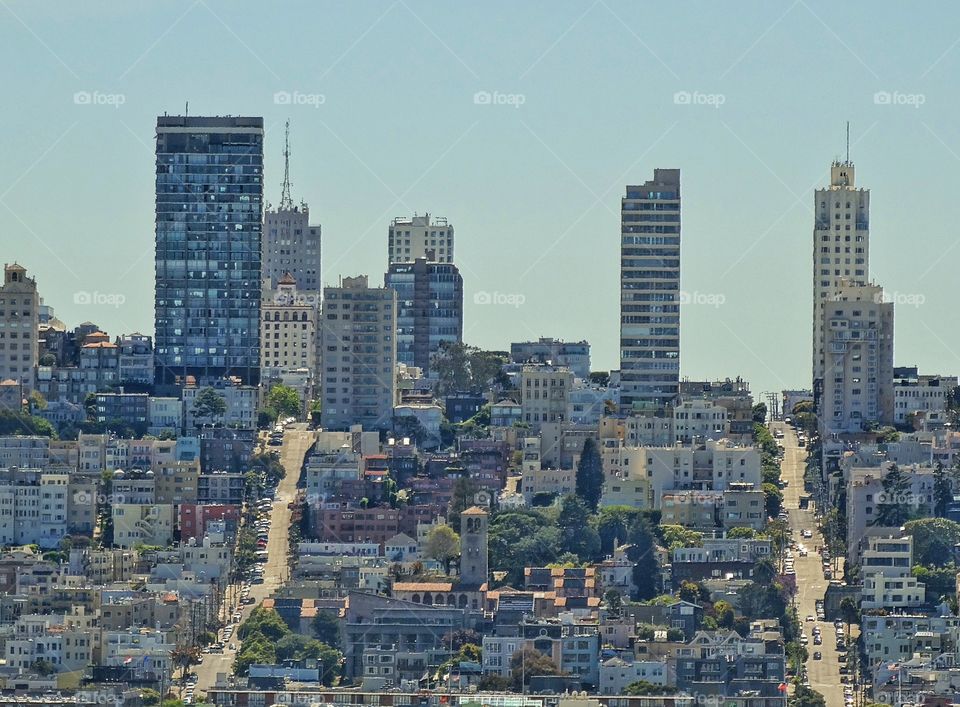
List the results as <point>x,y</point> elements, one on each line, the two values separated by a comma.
<point>642,688</point>
<point>266,622</point>
<point>760,412</point>
<point>442,545</point>
<point>208,405</point>
<point>410,427</point>
<point>522,538</point>
<point>614,601</point>
<point>894,504</point>
<point>460,367</point>
<point>942,490</point>
<point>850,610</point>
<point>741,533</point>
<point>149,697</point>
<point>773,500</point>
<point>933,540</point>
<point>676,536</point>
<point>642,552</point>
<point>806,696</point>
<point>526,663</point>
<point>577,536</point>
<point>285,400</point>
<point>326,628</point>
<point>463,496</point>
<point>590,474</point>
<point>690,591</point>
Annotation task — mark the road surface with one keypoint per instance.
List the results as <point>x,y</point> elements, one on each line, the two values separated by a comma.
<point>825,673</point>
<point>296,441</point>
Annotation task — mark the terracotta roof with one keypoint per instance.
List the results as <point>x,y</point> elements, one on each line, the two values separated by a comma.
<point>474,511</point>
<point>287,279</point>
<point>100,345</point>
<point>423,587</point>
<point>308,612</point>
<point>268,603</point>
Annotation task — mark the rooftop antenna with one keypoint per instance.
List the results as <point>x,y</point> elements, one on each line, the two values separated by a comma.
<point>848,142</point>
<point>186,109</point>
<point>286,203</point>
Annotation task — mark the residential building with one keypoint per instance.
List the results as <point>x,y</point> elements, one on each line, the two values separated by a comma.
<point>288,330</point>
<point>857,342</point>
<point>130,408</point>
<point>887,580</point>
<point>135,364</point>
<point>575,355</point>
<point>33,507</point>
<point>841,252</point>
<point>209,217</point>
<point>415,237</point>
<point>241,405</point>
<point>142,524</point>
<point>915,393</point>
<point>19,327</point>
<point>650,292</point>
<point>545,394</point>
<point>429,309</point>
<point>358,335</point>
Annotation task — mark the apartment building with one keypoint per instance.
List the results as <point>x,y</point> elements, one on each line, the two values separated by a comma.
<point>19,327</point>
<point>545,394</point>
<point>428,237</point>
<point>574,355</point>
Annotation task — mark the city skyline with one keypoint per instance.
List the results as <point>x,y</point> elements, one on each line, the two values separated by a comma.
<point>497,121</point>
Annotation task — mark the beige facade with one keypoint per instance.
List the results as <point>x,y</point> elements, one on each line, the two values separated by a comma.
<point>19,327</point>
<point>857,334</point>
<point>426,236</point>
<point>841,248</point>
<point>545,394</point>
<point>288,330</point>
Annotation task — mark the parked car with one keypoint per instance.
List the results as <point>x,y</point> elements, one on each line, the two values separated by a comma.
<point>817,655</point>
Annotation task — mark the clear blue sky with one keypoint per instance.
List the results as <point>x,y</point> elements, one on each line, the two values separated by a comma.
<point>533,190</point>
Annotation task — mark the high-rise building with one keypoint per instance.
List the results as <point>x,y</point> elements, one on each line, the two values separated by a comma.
<point>857,334</point>
<point>358,334</point>
<point>290,244</point>
<point>19,327</point>
<point>288,331</point>
<point>208,226</point>
<point>429,309</point>
<point>420,237</point>
<point>650,292</point>
<point>841,248</point>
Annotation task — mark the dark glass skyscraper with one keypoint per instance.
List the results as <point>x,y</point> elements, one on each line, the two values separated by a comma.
<point>208,227</point>
<point>429,309</point>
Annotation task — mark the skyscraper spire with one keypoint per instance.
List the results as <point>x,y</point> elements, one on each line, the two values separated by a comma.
<point>848,142</point>
<point>286,202</point>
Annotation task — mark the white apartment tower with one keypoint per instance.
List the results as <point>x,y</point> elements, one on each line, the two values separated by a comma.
<point>430,238</point>
<point>857,336</point>
<point>19,327</point>
<point>650,292</point>
<point>841,248</point>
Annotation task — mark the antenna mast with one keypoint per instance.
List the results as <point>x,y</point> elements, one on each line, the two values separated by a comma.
<point>848,142</point>
<point>286,202</point>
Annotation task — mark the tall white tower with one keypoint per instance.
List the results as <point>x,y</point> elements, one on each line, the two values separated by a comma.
<point>841,249</point>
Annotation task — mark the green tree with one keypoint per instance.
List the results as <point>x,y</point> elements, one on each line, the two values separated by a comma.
<point>463,496</point>
<point>590,474</point>
<point>266,622</point>
<point>526,663</point>
<point>850,610</point>
<point>942,490</point>
<point>773,500</point>
<point>642,688</point>
<point>933,540</point>
<point>642,552</point>
<point>208,405</point>
<point>894,505</point>
<point>677,536</point>
<point>614,601</point>
<point>410,427</point>
<point>741,533</point>
<point>760,412</point>
<point>326,628</point>
<point>805,696</point>
<point>285,400</point>
<point>577,536</point>
<point>443,545</point>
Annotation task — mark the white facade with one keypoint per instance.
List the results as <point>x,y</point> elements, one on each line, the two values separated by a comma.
<point>857,335</point>
<point>147,524</point>
<point>915,393</point>
<point>241,409</point>
<point>35,511</point>
<point>841,247</point>
<point>415,237</point>
<point>545,394</point>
